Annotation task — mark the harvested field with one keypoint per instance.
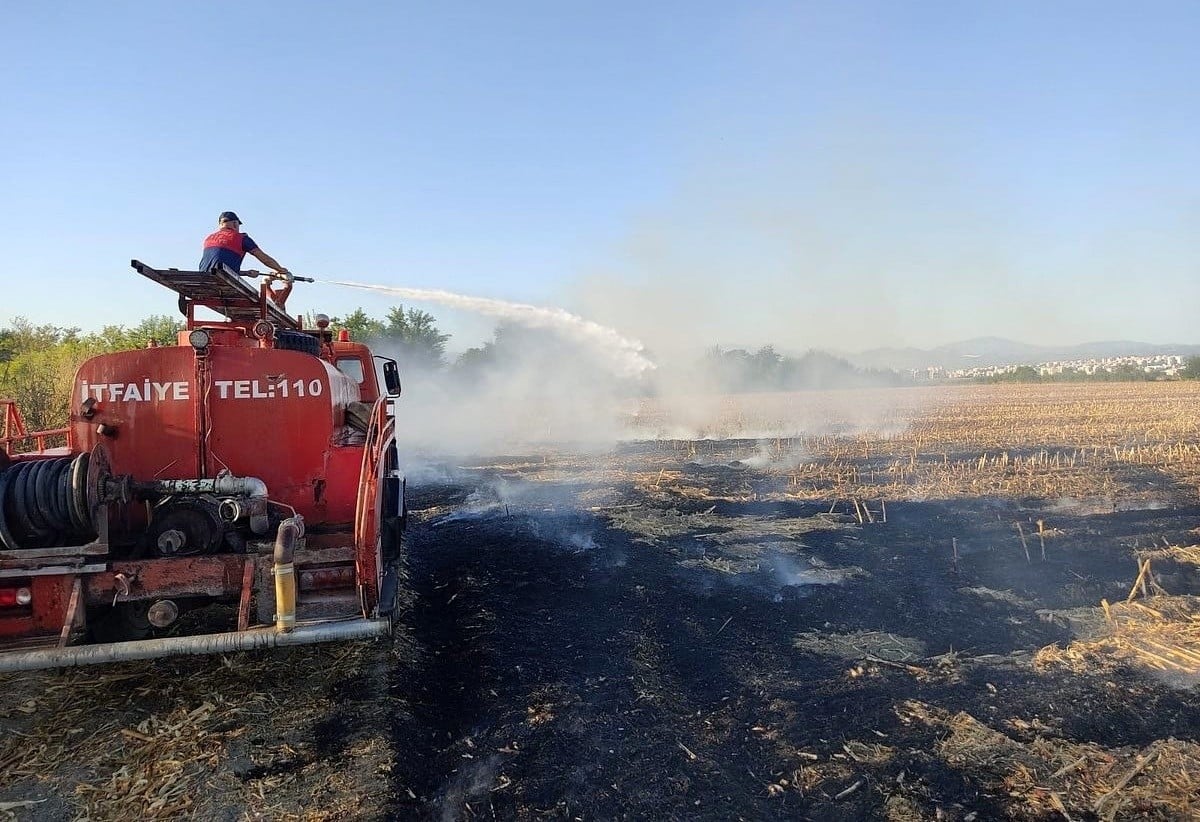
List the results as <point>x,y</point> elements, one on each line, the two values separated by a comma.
<point>900,605</point>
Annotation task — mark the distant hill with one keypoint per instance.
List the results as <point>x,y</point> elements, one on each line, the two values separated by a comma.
<point>986,351</point>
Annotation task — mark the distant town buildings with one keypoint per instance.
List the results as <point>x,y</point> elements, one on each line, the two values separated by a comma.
<point>1157,365</point>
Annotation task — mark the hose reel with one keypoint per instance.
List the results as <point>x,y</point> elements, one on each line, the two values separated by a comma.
<point>56,501</point>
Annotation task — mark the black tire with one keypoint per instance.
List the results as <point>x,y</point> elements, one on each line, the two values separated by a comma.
<point>297,341</point>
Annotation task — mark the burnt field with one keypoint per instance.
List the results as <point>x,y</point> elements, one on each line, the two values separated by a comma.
<point>967,604</point>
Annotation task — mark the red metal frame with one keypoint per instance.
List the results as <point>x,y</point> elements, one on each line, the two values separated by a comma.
<point>380,438</point>
<point>13,431</point>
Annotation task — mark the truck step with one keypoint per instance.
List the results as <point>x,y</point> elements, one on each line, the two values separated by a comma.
<point>328,605</point>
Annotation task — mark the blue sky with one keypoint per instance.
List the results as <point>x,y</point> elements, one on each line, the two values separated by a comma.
<point>808,174</point>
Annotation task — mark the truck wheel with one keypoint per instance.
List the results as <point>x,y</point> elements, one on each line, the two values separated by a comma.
<point>296,341</point>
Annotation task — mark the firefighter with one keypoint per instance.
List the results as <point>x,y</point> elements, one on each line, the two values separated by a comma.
<point>228,245</point>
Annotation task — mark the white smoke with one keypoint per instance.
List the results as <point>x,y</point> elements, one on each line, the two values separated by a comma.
<point>623,355</point>
<point>563,381</point>
<point>530,395</point>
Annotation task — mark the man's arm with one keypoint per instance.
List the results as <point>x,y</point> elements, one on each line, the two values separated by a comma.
<point>267,259</point>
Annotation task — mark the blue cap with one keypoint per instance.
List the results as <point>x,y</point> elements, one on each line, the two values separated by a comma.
<point>228,215</point>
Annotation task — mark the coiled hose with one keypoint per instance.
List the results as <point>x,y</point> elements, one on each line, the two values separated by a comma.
<point>44,502</point>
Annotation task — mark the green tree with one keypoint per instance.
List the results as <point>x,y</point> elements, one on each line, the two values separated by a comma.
<point>1022,373</point>
<point>160,329</point>
<point>8,344</point>
<point>1128,372</point>
<point>360,326</point>
<point>473,363</point>
<point>765,367</point>
<point>40,381</point>
<point>422,343</point>
<point>24,336</point>
<point>38,362</point>
<point>1191,369</point>
<point>37,365</point>
<point>414,331</point>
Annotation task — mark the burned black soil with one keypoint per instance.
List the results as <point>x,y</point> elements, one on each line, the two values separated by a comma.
<point>638,636</point>
<point>577,668</point>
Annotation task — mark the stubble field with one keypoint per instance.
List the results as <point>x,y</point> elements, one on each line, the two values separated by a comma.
<point>908,604</point>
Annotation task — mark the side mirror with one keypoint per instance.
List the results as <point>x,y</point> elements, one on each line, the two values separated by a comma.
<point>391,377</point>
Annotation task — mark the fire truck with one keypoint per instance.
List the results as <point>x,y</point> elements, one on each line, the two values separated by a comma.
<point>239,488</point>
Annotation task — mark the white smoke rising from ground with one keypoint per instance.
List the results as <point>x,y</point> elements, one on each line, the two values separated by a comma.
<point>768,458</point>
<point>623,354</point>
<point>561,380</point>
<point>469,783</point>
<point>544,510</point>
<point>526,399</point>
<point>677,413</point>
<point>496,497</point>
<point>789,572</point>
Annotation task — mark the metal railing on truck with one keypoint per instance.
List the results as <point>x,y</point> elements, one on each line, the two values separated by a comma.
<point>14,436</point>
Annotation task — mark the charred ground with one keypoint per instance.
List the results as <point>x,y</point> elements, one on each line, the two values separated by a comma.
<point>679,630</point>
<point>690,668</point>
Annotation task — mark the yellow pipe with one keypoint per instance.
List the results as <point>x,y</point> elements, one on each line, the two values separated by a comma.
<point>285,573</point>
<point>285,596</point>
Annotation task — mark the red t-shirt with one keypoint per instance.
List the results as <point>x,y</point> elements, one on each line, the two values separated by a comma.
<point>226,246</point>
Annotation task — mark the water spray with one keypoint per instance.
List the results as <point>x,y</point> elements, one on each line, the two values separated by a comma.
<point>624,354</point>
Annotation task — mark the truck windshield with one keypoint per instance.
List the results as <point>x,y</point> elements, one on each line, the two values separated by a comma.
<point>351,368</point>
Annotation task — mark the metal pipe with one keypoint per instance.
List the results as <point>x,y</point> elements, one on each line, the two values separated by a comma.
<point>223,484</point>
<point>290,530</point>
<point>250,640</point>
<point>249,486</point>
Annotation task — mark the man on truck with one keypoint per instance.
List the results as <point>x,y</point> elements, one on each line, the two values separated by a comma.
<point>228,245</point>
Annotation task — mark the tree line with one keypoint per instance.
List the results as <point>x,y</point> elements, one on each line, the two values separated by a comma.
<point>38,362</point>
<point>738,370</point>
